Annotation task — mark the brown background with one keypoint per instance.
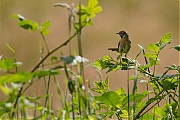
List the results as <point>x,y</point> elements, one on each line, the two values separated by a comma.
<point>146,21</point>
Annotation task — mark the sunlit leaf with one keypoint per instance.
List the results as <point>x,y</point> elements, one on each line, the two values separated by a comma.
<point>92,3</point>
<point>103,62</point>
<point>88,13</point>
<point>166,38</point>
<point>5,90</point>
<point>6,64</point>
<point>159,111</point>
<point>47,72</point>
<point>151,55</point>
<point>29,25</point>
<point>18,16</point>
<point>43,28</point>
<point>170,83</point>
<point>153,48</point>
<point>18,77</point>
<point>121,91</point>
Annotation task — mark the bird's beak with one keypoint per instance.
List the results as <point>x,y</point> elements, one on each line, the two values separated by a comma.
<point>117,33</point>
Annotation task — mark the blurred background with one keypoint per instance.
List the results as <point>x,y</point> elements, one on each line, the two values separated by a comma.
<point>146,21</point>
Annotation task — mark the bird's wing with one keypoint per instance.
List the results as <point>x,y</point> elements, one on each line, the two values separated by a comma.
<point>118,45</point>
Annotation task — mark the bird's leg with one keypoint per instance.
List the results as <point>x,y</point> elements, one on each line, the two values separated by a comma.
<point>125,55</point>
<point>120,56</point>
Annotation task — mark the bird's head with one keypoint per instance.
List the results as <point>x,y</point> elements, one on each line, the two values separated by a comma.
<point>123,34</point>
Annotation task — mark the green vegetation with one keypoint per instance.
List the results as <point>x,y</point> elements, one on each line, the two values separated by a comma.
<point>82,104</point>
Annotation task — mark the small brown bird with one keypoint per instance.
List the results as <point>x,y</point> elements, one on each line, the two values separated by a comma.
<point>124,44</point>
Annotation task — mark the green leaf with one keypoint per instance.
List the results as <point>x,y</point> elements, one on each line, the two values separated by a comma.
<point>173,67</point>
<point>140,105</point>
<point>43,73</point>
<point>136,97</point>
<point>153,61</point>
<point>166,38</point>
<point>159,111</point>
<point>92,3</point>
<point>18,77</point>
<point>177,47</point>
<point>29,25</point>
<point>103,62</point>
<point>121,91</point>
<point>151,55</point>
<point>26,24</point>
<point>43,28</point>
<point>88,13</point>
<point>101,86</point>
<point>148,117</point>
<point>170,83</point>
<point>6,90</point>
<point>113,68</point>
<point>67,59</point>
<point>71,86</point>
<point>154,48</point>
<point>18,16</point>
<point>7,64</point>
<point>109,98</point>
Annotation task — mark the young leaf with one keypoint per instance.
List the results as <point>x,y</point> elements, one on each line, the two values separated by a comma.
<point>43,28</point>
<point>153,47</point>
<point>103,62</point>
<point>29,25</point>
<point>88,13</point>
<point>18,77</point>
<point>6,90</point>
<point>7,64</point>
<point>18,16</point>
<point>43,73</point>
<point>121,91</point>
<point>159,111</point>
<point>166,39</point>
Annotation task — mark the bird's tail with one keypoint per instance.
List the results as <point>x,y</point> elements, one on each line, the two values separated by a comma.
<point>113,49</point>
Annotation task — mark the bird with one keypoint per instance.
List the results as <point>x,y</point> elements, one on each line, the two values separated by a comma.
<point>124,44</point>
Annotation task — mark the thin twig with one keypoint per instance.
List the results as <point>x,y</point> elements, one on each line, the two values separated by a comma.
<point>151,107</point>
<point>138,115</point>
<point>45,42</point>
<point>37,66</point>
<point>60,46</point>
